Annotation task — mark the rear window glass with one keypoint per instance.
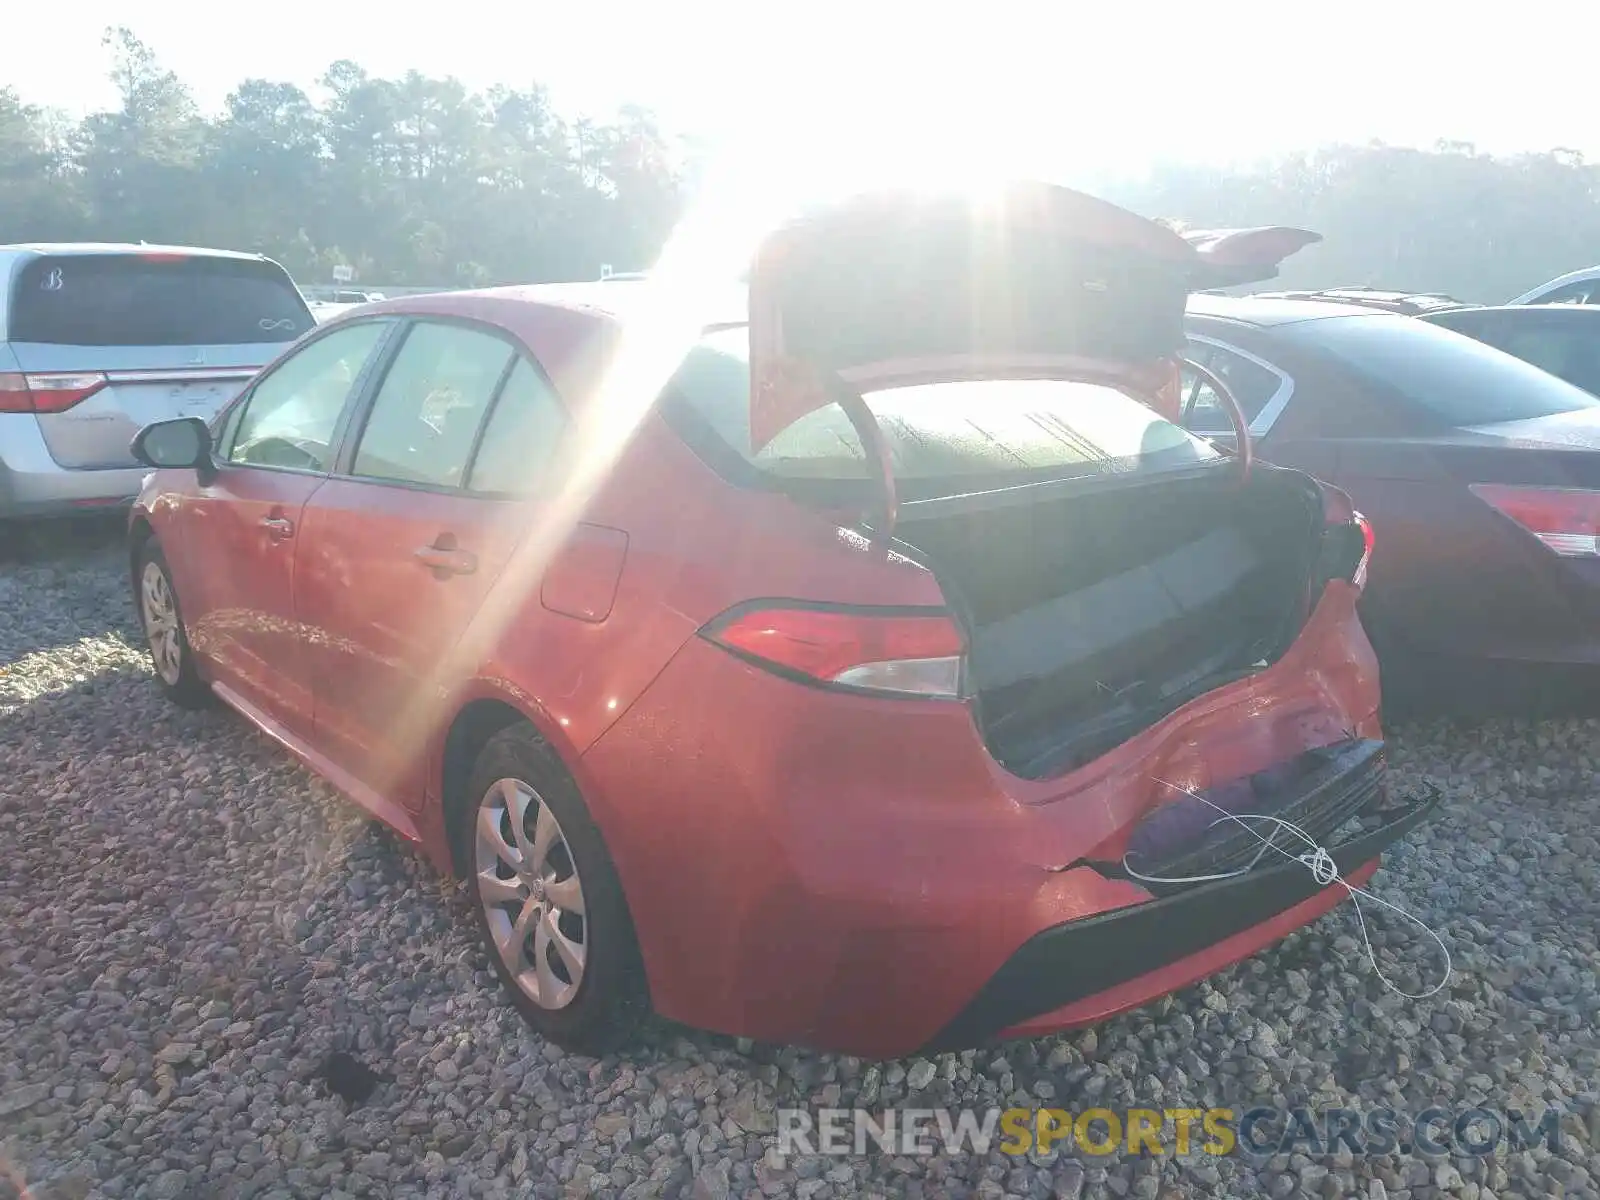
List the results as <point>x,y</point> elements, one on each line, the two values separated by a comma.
<point>1457,379</point>
<point>132,300</point>
<point>947,431</point>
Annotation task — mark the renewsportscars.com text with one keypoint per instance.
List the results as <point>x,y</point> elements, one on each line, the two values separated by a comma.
<point>1182,1132</point>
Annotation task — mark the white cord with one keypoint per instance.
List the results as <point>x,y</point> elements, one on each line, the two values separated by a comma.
<point>1324,870</point>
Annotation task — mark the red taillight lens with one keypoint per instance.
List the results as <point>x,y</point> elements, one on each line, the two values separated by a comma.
<point>1368,540</point>
<point>907,655</point>
<point>1343,526</point>
<point>1565,519</point>
<point>46,392</point>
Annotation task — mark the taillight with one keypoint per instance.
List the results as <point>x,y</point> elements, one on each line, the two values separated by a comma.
<point>1368,540</point>
<point>1565,519</point>
<point>46,392</point>
<point>1347,539</point>
<point>885,651</point>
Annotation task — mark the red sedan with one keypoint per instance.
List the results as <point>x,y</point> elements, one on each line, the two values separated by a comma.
<point>852,686</point>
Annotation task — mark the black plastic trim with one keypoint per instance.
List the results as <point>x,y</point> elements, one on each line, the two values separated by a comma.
<point>1352,776</point>
<point>1073,961</point>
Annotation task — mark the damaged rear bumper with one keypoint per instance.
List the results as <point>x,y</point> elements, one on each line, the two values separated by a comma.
<point>1075,961</point>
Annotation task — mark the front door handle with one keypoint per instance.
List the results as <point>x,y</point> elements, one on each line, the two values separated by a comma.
<point>278,527</point>
<point>447,560</point>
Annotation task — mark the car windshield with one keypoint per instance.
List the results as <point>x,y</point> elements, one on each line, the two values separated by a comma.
<point>945,431</point>
<point>1456,378</point>
<point>155,300</point>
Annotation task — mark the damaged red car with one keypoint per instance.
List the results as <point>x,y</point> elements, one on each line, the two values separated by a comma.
<point>850,691</point>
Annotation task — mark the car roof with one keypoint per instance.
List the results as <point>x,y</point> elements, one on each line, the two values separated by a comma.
<point>64,249</point>
<point>607,300</point>
<point>1410,304</point>
<point>1266,311</point>
<point>571,328</point>
<point>611,301</point>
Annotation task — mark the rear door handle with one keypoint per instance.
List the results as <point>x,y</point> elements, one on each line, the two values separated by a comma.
<point>278,527</point>
<point>447,560</point>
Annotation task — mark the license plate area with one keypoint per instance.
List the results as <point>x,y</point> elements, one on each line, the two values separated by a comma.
<point>162,400</point>
<point>1193,838</point>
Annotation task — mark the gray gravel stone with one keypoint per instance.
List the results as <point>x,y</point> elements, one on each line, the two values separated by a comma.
<point>192,924</point>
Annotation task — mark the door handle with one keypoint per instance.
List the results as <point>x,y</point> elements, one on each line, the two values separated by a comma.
<point>278,527</point>
<point>446,560</point>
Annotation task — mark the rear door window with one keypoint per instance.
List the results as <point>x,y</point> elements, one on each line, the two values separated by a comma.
<point>155,300</point>
<point>425,418</point>
<point>1459,381</point>
<point>1253,384</point>
<point>521,438</point>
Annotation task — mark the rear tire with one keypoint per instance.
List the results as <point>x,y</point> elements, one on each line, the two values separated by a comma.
<point>162,620</point>
<point>548,902</point>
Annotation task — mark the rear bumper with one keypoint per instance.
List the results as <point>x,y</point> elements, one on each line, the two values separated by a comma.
<point>851,873</point>
<point>32,484</point>
<point>1156,945</point>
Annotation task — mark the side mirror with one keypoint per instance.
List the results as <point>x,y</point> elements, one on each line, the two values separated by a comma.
<point>177,444</point>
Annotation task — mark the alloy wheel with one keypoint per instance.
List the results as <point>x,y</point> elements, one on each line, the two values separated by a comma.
<point>531,894</point>
<point>161,623</point>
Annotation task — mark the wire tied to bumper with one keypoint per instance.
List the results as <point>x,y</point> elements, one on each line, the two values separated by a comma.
<point>1317,859</point>
<point>1323,869</point>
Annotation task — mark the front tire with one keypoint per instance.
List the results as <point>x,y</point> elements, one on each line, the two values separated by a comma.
<point>549,903</point>
<point>164,632</point>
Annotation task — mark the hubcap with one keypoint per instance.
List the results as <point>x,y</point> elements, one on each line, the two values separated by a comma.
<point>161,623</point>
<point>531,893</point>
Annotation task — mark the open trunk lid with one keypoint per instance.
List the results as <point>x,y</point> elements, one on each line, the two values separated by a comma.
<point>1032,281</point>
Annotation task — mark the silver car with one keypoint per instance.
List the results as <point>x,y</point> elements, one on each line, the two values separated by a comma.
<point>99,340</point>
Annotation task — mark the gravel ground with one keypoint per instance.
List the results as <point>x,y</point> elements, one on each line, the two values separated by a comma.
<point>192,924</point>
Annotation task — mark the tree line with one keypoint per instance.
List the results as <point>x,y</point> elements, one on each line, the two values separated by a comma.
<point>413,180</point>
<point>418,181</point>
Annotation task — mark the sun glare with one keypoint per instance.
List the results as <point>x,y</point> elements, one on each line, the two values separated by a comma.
<point>742,198</point>
<point>687,288</point>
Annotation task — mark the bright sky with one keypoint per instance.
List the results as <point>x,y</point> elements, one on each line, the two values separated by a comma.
<point>1014,83</point>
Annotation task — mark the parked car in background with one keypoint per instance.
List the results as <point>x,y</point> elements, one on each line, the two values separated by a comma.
<point>1479,471</point>
<point>849,691</point>
<point>1575,287</point>
<point>98,340</point>
<point>338,295</point>
<point>1559,338</point>
<point>1563,339</point>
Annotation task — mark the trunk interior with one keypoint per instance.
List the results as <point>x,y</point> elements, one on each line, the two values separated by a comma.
<point>1092,616</point>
